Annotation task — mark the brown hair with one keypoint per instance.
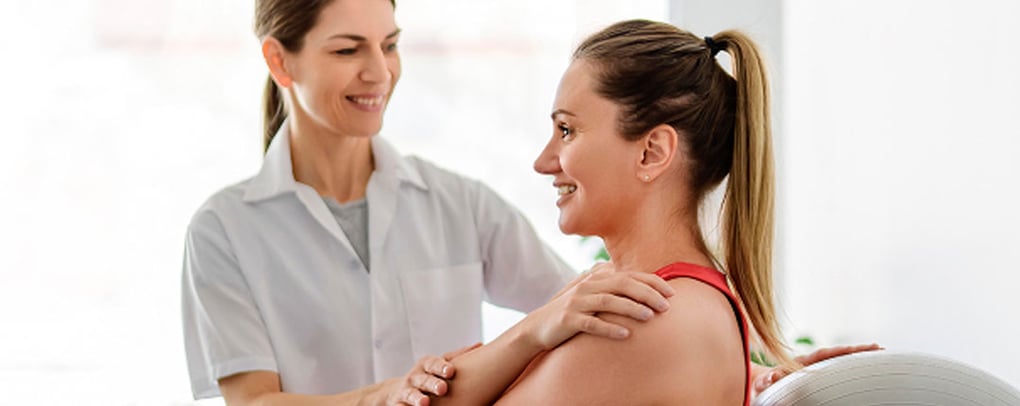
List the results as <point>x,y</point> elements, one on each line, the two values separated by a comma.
<point>288,21</point>
<point>660,74</point>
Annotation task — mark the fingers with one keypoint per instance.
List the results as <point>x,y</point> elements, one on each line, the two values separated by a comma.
<point>641,288</point>
<point>436,366</point>
<point>408,396</point>
<point>427,377</point>
<point>605,270</point>
<point>656,283</point>
<point>610,303</point>
<point>425,383</point>
<point>767,379</point>
<point>424,378</point>
<point>831,352</point>
<point>598,327</point>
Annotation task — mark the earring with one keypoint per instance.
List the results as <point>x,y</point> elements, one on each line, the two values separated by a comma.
<point>646,178</point>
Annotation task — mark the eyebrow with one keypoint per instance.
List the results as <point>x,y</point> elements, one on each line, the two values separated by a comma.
<point>359,38</point>
<point>561,111</point>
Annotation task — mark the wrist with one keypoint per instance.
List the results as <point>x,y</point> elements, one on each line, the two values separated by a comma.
<point>522,339</point>
<point>376,394</point>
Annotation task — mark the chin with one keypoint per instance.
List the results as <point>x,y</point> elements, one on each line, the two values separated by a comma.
<point>364,130</point>
<point>568,227</point>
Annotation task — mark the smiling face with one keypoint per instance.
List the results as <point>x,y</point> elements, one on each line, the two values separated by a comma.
<point>344,74</point>
<point>594,168</point>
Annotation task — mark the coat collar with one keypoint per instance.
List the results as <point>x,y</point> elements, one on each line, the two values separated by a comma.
<point>277,174</point>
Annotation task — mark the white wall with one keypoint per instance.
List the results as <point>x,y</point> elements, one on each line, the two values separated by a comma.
<point>903,175</point>
<point>898,144</point>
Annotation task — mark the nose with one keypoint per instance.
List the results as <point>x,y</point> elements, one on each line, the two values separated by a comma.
<point>548,161</point>
<point>376,68</point>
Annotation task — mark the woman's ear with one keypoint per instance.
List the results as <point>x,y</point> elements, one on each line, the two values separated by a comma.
<point>275,56</point>
<point>659,149</point>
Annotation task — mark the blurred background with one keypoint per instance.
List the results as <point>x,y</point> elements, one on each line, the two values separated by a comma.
<point>896,130</point>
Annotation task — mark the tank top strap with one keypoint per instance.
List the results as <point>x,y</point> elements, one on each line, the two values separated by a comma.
<point>701,273</point>
<point>717,280</point>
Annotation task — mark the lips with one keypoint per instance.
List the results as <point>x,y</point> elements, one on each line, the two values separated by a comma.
<point>564,188</point>
<point>368,100</point>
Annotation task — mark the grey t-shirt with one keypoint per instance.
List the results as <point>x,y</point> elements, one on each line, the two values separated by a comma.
<point>353,219</point>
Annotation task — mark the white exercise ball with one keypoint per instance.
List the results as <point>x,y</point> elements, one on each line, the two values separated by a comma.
<point>889,378</point>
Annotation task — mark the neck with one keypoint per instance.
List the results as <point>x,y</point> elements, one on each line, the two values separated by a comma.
<point>335,165</point>
<point>657,236</point>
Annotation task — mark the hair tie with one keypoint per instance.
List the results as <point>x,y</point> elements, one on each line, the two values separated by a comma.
<point>713,46</point>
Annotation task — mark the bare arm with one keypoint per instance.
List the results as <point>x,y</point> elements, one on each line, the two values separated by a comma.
<point>262,388</point>
<point>428,376</point>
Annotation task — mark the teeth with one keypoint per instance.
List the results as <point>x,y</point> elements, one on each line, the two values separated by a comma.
<point>368,101</point>
<point>566,189</point>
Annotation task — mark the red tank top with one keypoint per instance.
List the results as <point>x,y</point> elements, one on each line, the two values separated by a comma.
<point>717,280</point>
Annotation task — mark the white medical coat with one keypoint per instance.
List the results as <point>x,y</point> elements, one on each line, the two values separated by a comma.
<point>270,281</point>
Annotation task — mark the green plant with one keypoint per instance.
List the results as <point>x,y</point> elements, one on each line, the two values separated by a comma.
<point>601,254</point>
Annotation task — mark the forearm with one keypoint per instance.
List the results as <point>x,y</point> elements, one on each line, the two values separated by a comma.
<point>367,396</point>
<point>484,373</point>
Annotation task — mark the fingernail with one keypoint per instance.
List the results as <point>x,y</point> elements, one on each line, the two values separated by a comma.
<point>446,370</point>
<point>621,333</point>
<point>646,314</point>
<point>662,305</point>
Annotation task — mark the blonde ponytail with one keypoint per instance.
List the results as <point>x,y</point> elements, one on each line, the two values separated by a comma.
<point>748,219</point>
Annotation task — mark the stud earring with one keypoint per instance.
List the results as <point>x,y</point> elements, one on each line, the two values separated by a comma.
<point>646,178</point>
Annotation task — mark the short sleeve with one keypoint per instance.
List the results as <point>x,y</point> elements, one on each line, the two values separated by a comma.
<point>521,272</point>
<point>224,333</point>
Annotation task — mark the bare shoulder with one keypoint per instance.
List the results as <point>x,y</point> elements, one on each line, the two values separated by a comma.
<point>691,354</point>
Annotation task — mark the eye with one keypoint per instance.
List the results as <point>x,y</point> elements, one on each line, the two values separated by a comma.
<point>346,51</point>
<point>566,133</point>
<point>391,47</point>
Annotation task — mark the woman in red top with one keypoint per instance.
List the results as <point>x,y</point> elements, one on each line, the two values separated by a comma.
<point>645,124</point>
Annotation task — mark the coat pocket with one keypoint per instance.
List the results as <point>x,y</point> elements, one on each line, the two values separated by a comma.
<point>443,307</point>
